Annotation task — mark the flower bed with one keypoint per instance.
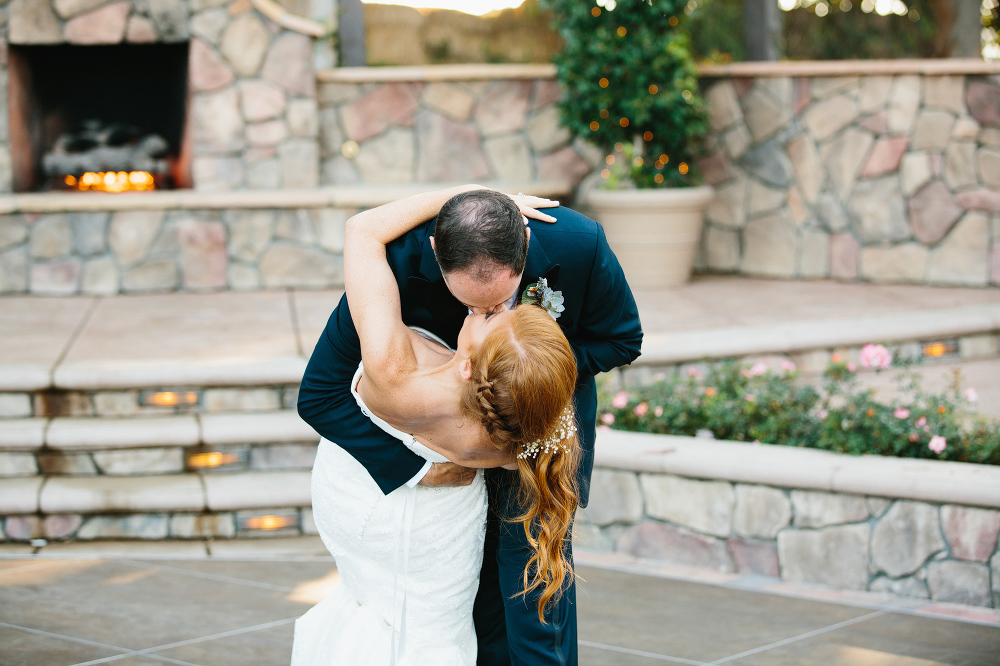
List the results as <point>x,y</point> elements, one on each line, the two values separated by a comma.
<point>760,404</point>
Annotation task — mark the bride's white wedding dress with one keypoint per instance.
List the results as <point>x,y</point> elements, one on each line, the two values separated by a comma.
<point>409,563</point>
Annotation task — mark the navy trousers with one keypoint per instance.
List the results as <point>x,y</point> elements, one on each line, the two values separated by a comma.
<point>507,625</point>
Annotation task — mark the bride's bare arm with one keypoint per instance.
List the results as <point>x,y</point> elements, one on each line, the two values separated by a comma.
<point>371,287</point>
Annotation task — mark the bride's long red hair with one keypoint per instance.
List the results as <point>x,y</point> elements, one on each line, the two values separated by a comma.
<point>523,378</point>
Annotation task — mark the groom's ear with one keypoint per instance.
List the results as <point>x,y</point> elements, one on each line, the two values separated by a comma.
<point>465,369</point>
<point>432,243</point>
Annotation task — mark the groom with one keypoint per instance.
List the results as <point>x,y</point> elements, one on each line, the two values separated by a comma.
<point>482,266</point>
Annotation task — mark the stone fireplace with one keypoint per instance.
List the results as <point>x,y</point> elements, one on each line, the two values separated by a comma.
<point>79,112</point>
<point>209,94</point>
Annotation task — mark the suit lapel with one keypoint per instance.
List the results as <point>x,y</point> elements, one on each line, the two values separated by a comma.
<point>538,265</point>
<point>445,310</point>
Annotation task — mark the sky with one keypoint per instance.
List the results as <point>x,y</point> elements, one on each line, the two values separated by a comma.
<point>477,7</point>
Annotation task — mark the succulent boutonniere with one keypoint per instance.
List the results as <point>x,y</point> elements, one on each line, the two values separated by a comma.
<point>539,294</point>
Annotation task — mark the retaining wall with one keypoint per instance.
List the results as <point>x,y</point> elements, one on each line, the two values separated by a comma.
<point>883,171</point>
<point>923,529</point>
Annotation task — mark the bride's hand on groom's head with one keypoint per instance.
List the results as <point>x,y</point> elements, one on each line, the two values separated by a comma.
<point>529,205</point>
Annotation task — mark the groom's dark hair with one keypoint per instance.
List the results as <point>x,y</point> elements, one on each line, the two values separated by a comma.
<point>477,227</point>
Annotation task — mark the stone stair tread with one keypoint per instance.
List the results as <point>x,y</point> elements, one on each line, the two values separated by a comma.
<point>99,433</point>
<point>178,372</point>
<point>122,494</point>
<point>20,495</point>
<point>83,433</point>
<point>270,427</point>
<point>265,337</point>
<point>167,493</point>
<point>784,337</point>
<point>22,434</point>
<point>257,490</point>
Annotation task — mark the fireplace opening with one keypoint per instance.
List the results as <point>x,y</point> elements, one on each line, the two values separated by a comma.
<point>108,118</point>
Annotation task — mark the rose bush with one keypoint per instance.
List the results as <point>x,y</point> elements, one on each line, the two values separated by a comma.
<point>757,404</point>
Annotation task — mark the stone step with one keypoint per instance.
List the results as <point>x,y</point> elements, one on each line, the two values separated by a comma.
<point>208,443</point>
<point>156,507</point>
<point>975,329</point>
<point>68,434</point>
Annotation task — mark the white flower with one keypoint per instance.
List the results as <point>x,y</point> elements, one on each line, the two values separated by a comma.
<point>540,294</point>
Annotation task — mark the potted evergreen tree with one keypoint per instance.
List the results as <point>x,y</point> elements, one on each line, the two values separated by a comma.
<point>631,88</point>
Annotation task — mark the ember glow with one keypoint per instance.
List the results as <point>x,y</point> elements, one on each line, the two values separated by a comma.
<point>111,181</point>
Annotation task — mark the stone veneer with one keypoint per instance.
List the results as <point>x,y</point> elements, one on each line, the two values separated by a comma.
<point>136,251</point>
<point>444,124</point>
<point>882,172</point>
<point>252,116</point>
<point>942,552</point>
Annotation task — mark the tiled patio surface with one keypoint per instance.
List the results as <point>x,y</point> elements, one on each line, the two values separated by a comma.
<point>239,609</point>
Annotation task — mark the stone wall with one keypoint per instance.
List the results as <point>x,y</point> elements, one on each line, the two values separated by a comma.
<point>887,173</point>
<point>252,114</point>
<point>136,251</point>
<point>942,552</point>
<point>446,124</point>
<point>880,172</point>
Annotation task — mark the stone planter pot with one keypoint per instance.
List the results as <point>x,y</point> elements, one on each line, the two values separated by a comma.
<point>655,233</point>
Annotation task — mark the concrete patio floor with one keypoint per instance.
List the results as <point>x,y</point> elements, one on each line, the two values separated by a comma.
<point>133,604</point>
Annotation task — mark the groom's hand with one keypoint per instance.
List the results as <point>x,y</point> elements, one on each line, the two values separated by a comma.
<point>448,474</point>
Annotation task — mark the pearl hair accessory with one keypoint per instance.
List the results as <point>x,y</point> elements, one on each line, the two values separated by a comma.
<point>565,428</point>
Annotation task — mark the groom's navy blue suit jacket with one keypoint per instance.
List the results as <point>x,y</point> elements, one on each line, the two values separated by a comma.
<point>601,322</point>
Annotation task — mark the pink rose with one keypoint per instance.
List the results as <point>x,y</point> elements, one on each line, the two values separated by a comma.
<point>921,422</point>
<point>902,413</point>
<point>620,400</point>
<point>749,397</point>
<point>757,369</point>
<point>971,395</point>
<point>641,409</point>
<point>603,427</point>
<point>693,372</point>
<point>914,436</point>
<point>788,366</point>
<point>937,444</point>
<point>875,356</point>
<point>851,367</point>
<point>822,414</point>
<point>607,419</point>
<point>658,412</point>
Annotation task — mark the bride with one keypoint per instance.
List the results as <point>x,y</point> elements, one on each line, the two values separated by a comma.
<point>409,561</point>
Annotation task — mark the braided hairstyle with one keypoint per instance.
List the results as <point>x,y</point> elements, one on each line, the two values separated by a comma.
<point>523,378</point>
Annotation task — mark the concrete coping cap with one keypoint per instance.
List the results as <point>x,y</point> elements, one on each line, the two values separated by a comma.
<point>793,467</point>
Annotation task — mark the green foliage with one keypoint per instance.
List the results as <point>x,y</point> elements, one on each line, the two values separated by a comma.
<point>736,403</point>
<point>845,32</point>
<point>640,51</point>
